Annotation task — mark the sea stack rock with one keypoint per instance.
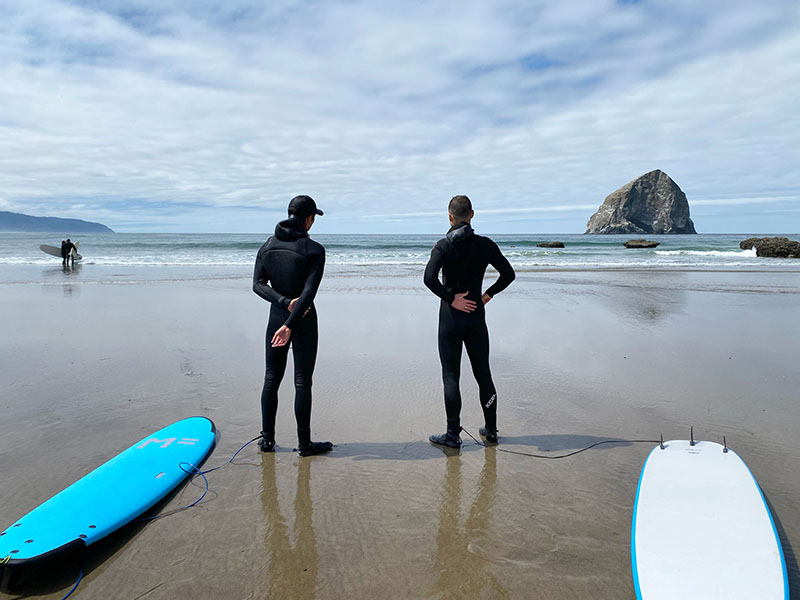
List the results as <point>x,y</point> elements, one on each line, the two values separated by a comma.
<point>652,203</point>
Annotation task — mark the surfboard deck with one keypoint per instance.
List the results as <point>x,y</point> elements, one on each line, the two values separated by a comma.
<point>702,528</point>
<point>109,497</point>
<point>51,250</point>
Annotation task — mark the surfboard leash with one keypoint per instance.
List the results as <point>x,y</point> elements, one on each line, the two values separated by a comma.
<point>235,454</point>
<point>558,456</point>
<point>74,587</point>
<point>196,471</point>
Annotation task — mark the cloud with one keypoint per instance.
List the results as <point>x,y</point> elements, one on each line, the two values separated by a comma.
<point>741,201</point>
<point>161,116</point>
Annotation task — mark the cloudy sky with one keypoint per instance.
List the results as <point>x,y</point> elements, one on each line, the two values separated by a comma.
<point>175,115</point>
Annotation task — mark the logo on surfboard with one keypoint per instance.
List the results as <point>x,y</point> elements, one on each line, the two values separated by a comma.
<point>167,441</point>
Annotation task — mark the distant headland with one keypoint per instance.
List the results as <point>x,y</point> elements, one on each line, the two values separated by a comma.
<point>10,221</point>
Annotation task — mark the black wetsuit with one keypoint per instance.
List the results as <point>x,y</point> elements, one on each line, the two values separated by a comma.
<point>463,257</point>
<point>68,248</point>
<point>290,265</point>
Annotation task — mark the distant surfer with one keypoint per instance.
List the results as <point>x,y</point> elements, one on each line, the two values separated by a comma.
<point>463,256</point>
<point>68,251</point>
<point>63,252</point>
<point>287,274</point>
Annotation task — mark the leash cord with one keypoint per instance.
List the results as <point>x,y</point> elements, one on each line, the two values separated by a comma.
<point>558,456</point>
<point>195,471</point>
<point>74,587</point>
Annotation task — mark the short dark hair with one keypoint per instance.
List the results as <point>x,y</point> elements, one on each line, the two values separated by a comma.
<point>460,207</point>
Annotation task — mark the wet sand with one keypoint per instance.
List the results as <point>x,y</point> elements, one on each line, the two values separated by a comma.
<point>88,369</point>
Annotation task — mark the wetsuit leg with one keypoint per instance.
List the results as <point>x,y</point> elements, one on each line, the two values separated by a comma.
<point>273,375</point>
<point>476,341</point>
<point>450,344</point>
<point>305,340</point>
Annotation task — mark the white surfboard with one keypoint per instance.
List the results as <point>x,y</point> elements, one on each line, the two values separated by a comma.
<point>54,251</point>
<point>702,529</point>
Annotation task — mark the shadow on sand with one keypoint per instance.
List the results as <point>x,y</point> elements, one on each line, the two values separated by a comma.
<point>422,449</point>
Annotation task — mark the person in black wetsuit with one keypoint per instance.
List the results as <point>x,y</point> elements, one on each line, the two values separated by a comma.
<point>287,274</point>
<point>463,256</point>
<point>67,251</point>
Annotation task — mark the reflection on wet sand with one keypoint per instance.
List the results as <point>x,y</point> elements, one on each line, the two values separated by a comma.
<point>465,571</point>
<point>643,305</point>
<point>292,570</point>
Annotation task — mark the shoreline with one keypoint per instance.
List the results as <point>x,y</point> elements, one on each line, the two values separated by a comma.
<point>334,271</point>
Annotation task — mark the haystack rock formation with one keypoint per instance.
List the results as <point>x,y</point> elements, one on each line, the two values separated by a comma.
<point>652,203</point>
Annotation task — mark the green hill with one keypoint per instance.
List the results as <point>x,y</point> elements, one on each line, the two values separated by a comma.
<point>10,221</point>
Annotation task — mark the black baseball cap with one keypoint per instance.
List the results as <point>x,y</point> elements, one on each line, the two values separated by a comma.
<point>303,206</point>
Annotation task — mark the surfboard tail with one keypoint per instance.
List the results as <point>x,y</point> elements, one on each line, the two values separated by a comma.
<point>15,573</point>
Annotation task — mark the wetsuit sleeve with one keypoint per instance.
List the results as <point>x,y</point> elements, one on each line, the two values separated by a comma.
<point>504,268</point>
<point>431,278</point>
<point>314,278</point>
<point>262,287</point>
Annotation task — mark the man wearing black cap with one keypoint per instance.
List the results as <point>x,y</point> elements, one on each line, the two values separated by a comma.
<point>288,273</point>
<point>463,257</point>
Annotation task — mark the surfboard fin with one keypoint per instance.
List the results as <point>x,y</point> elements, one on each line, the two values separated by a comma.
<point>691,436</point>
<point>661,445</point>
<point>724,445</point>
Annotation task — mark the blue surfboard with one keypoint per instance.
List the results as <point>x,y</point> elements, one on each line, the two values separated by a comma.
<point>109,497</point>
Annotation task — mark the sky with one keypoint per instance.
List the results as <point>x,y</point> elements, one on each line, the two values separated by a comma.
<point>208,116</point>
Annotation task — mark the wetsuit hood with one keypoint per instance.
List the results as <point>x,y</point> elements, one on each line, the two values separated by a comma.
<point>290,229</point>
<point>460,232</point>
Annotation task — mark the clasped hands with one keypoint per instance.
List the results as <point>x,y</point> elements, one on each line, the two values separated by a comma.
<point>284,334</point>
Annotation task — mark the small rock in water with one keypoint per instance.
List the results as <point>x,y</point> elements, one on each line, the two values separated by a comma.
<point>550,244</point>
<point>640,244</point>
<point>772,247</point>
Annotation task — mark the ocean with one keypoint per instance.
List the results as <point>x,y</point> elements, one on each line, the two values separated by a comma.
<point>141,257</point>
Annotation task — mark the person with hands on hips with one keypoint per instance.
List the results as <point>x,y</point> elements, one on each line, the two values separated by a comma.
<point>287,274</point>
<point>462,257</point>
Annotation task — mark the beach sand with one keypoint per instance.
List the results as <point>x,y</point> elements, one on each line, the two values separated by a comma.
<point>577,357</point>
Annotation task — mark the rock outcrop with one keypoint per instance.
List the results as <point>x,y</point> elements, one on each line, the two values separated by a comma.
<point>640,244</point>
<point>652,203</point>
<point>772,247</point>
<point>550,244</point>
